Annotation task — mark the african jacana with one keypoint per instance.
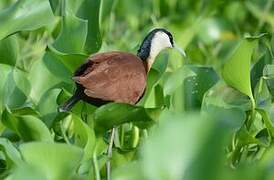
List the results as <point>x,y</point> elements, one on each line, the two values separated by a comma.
<point>118,76</point>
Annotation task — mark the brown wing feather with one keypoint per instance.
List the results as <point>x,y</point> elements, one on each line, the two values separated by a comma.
<point>114,76</point>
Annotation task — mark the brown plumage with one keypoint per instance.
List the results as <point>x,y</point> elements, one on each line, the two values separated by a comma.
<point>113,76</point>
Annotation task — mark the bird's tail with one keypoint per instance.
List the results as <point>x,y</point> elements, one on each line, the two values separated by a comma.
<point>69,103</point>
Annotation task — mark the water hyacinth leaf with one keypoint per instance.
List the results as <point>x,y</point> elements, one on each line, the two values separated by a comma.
<point>9,48</point>
<point>70,61</point>
<point>28,127</point>
<point>41,80</point>
<point>60,161</point>
<point>258,68</point>
<point>4,74</point>
<point>90,10</point>
<point>16,88</point>
<point>72,36</point>
<point>268,74</point>
<point>25,171</point>
<point>262,95</point>
<point>12,155</point>
<point>25,15</point>
<point>47,106</point>
<point>221,95</point>
<point>73,6</point>
<point>176,79</point>
<point>236,69</point>
<point>114,114</point>
<point>131,170</point>
<point>56,67</point>
<point>268,71</point>
<point>267,120</point>
<point>167,157</point>
<point>25,110</point>
<point>196,86</point>
<point>106,9</point>
<point>84,137</point>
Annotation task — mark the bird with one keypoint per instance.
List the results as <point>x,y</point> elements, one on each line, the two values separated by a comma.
<point>118,76</point>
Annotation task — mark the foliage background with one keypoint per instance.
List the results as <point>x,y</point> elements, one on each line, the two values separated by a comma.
<point>207,116</point>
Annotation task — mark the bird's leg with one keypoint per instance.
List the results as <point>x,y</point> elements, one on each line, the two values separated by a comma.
<point>109,153</point>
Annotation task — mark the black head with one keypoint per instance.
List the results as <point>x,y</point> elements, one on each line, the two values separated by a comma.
<point>146,46</point>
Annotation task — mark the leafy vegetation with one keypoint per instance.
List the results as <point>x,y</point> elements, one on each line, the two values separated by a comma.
<point>207,116</point>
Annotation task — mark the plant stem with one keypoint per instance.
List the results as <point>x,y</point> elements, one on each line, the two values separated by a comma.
<point>95,164</point>
<point>109,153</point>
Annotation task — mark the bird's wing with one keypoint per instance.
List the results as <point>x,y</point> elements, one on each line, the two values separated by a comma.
<point>114,76</point>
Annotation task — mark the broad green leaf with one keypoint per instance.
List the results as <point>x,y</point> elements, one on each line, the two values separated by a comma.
<point>54,161</point>
<point>72,36</point>
<point>48,106</point>
<point>262,95</point>
<point>43,77</point>
<point>70,61</point>
<point>131,170</point>
<point>90,10</point>
<point>267,121</point>
<point>182,146</point>
<point>268,74</point>
<point>236,71</point>
<point>187,86</point>
<point>114,114</point>
<point>258,68</point>
<point>176,79</point>
<point>25,171</point>
<point>12,155</point>
<point>84,137</point>
<point>16,89</point>
<point>221,95</point>
<point>25,15</point>
<point>28,127</point>
<point>268,71</point>
<point>9,48</point>
<point>4,74</point>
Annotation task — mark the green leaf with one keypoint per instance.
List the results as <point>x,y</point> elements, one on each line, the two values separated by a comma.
<point>236,71</point>
<point>166,156</point>
<point>47,106</point>
<point>195,87</point>
<point>84,137</point>
<point>221,95</point>
<point>28,127</point>
<point>42,79</point>
<point>268,74</point>
<point>72,36</point>
<point>12,155</point>
<point>90,10</point>
<point>70,61</point>
<point>25,15</point>
<point>16,89</point>
<point>262,95</point>
<point>9,48</point>
<point>176,79</point>
<point>130,170</point>
<point>55,161</point>
<point>114,114</point>
<point>4,74</point>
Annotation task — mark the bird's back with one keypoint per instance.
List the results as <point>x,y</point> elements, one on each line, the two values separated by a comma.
<point>113,76</point>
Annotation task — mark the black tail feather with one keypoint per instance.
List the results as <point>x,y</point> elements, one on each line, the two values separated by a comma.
<point>69,104</point>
